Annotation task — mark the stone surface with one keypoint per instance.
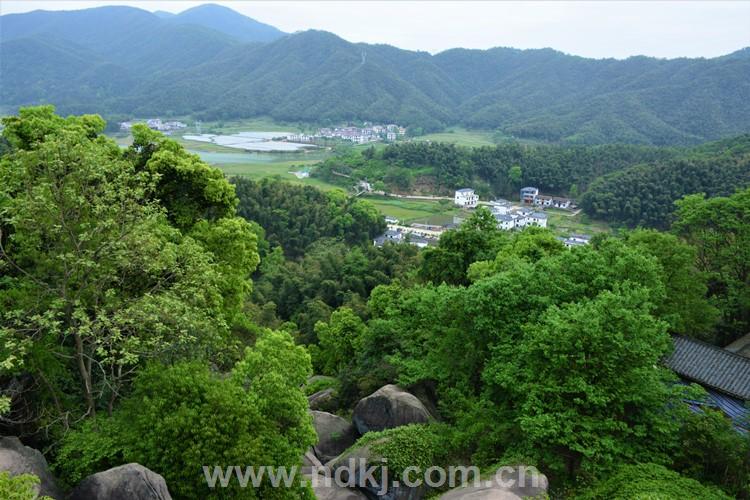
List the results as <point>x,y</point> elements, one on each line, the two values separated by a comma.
<point>335,434</point>
<point>322,400</point>
<point>333,492</point>
<point>389,407</point>
<point>510,483</point>
<point>126,482</point>
<point>18,459</point>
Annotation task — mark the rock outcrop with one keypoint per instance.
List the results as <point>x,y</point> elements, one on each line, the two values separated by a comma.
<point>330,491</point>
<point>335,434</point>
<point>389,407</point>
<point>509,483</point>
<point>126,482</point>
<point>323,400</point>
<point>18,459</point>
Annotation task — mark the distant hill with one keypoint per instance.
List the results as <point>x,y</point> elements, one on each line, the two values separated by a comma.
<point>228,22</point>
<point>214,63</point>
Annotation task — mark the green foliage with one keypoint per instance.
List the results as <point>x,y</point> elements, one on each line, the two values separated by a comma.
<point>443,167</point>
<point>648,481</point>
<point>294,217</point>
<point>95,279</point>
<point>718,229</point>
<point>587,382</point>
<point>21,487</point>
<point>330,275</point>
<point>476,239</point>
<point>182,417</point>
<point>187,187</point>
<point>96,445</point>
<point>645,194</point>
<point>420,445</point>
<point>340,340</point>
<point>317,77</point>
<point>685,306</point>
<point>712,451</point>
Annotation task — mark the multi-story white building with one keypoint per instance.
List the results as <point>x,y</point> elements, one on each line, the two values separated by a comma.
<point>466,198</point>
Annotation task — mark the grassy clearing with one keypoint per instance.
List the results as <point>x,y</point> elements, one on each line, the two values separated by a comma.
<point>281,169</point>
<point>580,223</point>
<point>461,137</point>
<point>249,125</point>
<point>408,211</point>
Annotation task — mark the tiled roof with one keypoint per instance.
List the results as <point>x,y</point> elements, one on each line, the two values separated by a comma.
<point>711,366</point>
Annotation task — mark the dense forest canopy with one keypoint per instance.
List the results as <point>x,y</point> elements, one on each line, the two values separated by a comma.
<point>153,311</point>
<point>623,184</point>
<point>138,64</point>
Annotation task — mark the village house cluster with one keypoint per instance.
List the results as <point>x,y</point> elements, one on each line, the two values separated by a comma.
<point>531,196</point>
<point>358,135</point>
<point>509,217</point>
<point>156,124</point>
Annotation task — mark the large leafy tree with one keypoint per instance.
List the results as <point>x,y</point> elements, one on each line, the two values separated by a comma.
<point>183,417</point>
<point>718,229</point>
<point>587,381</point>
<point>95,279</point>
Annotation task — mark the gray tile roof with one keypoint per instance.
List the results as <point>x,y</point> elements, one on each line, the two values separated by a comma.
<point>711,366</point>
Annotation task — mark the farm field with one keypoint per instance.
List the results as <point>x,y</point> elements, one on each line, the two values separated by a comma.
<point>565,225</point>
<point>461,137</point>
<point>421,211</point>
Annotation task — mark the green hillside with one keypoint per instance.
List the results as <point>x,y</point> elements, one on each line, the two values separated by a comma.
<point>225,65</point>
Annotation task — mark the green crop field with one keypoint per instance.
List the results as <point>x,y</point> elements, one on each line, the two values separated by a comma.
<point>565,225</point>
<point>461,137</point>
<point>423,211</point>
<point>281,169</point>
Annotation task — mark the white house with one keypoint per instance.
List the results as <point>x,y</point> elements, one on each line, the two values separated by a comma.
<point>505,222</point>
<point>529,194</point>
<point>576,240</point>
<point>537,219</point>
<point>466,198</point>
<point>552,201</point>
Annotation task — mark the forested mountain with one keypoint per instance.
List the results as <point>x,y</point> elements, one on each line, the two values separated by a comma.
<point>208,62</point>
<point>645,194</point>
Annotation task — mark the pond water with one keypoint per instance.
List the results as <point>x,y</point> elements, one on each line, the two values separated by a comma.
<point>251,141</point>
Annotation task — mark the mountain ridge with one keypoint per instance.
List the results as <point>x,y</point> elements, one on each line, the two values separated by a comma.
<point>177,68</point>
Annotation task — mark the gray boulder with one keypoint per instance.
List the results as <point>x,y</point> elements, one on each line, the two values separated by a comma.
<point>18,459</point>
<point>126,482</point>
<point>323,400</point>
<point>389,407</point>
<point>309,460</point>
<point>329,491</point>
<point>509,483</point>
<point>335,435</point>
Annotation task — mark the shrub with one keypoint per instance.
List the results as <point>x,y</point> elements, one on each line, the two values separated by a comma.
<point>650,482</point>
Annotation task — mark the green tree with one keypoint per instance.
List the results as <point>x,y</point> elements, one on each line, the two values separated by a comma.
<point>648,480</point>
<point>588,384</point>
<point>685,305</point>
<point>712,451</point>
<point>718,229</point>
<point>95,279</point>
<point>182,417</point>
<point>187,187</point>
<point>515,175</point>
<point>340,340</point>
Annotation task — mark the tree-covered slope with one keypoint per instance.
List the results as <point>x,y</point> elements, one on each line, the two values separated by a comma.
<point>645,194</point>
<point>214,63</point>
